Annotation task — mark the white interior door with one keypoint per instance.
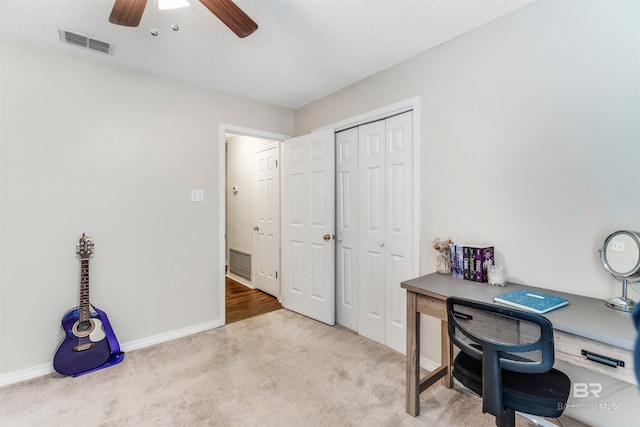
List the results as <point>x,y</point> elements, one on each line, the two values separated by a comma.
<point>347,228</point>
<point>308,225</point>
<point>267,220</point>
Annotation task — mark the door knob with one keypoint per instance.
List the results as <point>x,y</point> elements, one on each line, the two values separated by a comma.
<point>256,228</point>
<point>327,237</point>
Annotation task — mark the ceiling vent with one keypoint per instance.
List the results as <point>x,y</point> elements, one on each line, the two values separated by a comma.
<point>85,41</point>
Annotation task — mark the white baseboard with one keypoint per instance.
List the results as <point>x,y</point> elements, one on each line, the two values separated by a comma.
<point>47,368</point>
<point>171,335</point>
<point>26,374</point>
<point>240,279</point>
<point>428,364</point>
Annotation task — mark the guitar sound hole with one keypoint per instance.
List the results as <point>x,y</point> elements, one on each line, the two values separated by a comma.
<point>84,328</point>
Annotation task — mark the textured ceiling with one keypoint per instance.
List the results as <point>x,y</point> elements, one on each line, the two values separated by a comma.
<point>302,50</point>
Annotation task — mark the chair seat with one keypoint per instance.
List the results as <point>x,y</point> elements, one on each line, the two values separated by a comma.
<point>544,394</point>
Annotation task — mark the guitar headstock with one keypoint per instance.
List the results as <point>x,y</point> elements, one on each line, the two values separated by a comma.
<point>84,248</point>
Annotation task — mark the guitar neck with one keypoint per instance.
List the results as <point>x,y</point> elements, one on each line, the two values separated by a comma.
<point>84,290</point>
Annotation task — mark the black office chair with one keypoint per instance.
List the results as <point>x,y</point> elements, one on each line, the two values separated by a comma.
<point>636,357</point>
<point>507,358</point>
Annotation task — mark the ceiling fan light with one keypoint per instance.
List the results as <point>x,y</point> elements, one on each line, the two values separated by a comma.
<point>172,4</point>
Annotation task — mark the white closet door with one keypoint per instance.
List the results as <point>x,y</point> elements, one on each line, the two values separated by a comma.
<point>400,236</point>
<point>347,228</point>
<point>308,221</point>
<point>386,237</point>
<point>372,240</point>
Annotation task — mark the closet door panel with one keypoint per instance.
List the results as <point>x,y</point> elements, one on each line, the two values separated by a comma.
<point>347,228</point>
<point>399,226</point>
<point>372,231</point>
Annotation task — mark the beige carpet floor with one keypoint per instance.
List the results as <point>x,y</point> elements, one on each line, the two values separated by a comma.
<point>278,369</point>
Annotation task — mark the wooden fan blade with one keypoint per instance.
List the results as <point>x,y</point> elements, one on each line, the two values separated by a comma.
<point>232,16</point>
<point>127,12</point>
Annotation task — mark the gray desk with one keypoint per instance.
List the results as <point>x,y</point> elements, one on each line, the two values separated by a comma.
<point>585,324</point>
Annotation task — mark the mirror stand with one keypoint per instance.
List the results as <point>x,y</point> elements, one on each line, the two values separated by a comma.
<point>621,303</point>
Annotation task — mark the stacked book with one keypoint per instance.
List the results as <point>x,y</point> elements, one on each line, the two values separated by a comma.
<point>471,262</point>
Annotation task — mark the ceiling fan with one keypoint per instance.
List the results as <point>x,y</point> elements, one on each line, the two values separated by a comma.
<point>129,13</point>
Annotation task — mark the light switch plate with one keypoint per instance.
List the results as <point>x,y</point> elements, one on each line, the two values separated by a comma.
<point>197,195</point>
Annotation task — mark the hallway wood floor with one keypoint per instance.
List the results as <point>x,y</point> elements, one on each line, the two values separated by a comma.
<point>243,302</point>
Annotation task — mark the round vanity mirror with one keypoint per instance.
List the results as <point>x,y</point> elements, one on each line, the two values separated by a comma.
<point>620,256</point>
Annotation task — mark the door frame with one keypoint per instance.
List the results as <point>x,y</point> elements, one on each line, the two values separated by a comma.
<point>410,104</point>
<point>223,129</point>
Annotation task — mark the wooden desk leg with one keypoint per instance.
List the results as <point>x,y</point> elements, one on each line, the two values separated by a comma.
<point>446,353</point>
<point>413,355</point>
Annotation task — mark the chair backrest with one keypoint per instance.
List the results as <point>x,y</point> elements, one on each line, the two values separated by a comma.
<point>503,338</point>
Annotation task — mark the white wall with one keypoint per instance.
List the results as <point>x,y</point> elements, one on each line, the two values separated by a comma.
<point>240,206</point>
<point>96,149</point>
<point>530,134</point>
<point>530,139</point>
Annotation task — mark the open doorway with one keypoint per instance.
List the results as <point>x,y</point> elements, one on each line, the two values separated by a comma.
<point>252,222</point>
<point>243,302</point>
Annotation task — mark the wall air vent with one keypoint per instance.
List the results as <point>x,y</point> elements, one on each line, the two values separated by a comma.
<point>85,41</point>
<point>240,263</point>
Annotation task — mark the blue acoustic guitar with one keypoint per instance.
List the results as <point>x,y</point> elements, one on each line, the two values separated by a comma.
<point>89,343</point>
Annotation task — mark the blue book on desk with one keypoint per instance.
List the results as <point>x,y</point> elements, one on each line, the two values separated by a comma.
<point>525,299</point>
